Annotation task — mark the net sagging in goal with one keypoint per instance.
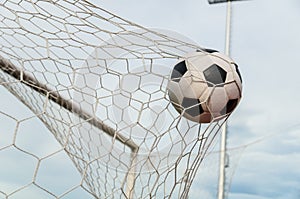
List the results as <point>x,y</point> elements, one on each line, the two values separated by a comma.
<point>98,82</point>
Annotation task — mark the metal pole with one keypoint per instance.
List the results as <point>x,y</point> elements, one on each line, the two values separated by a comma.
<point>222,172</point>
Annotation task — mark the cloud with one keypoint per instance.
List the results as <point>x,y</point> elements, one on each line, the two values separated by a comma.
<point>265,45</point>
<point>267,168</point>
<point>264,184</point>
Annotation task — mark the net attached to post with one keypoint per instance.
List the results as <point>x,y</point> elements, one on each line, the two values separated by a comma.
<point>98,83</point>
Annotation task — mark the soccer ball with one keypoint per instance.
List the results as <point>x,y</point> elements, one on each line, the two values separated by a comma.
<point>205,86</point>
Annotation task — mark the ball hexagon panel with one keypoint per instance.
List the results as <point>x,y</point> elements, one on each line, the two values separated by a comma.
<point>230,76</point>
<point>205,97</point>
<point>184,85</point>
<point>233,76</point>
<point>175,95</point>
<point>198,61</point>
<point>198,88</point>
<point>233,91</point>
<point>192,88</point>
<point>223,57</point>
<point>217,100</point>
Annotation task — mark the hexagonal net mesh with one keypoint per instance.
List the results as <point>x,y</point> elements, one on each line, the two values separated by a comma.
<point>98,83</point>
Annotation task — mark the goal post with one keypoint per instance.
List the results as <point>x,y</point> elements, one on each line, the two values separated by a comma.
<point>54,96</point>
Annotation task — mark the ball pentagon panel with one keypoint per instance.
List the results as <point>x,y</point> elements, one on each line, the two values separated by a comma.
<point>179,70</point>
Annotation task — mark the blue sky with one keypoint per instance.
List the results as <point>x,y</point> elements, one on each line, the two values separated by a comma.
<point>264,130</point>
<point>265,43</point>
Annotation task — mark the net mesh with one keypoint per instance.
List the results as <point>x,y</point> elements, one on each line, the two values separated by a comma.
<point>98,83</point>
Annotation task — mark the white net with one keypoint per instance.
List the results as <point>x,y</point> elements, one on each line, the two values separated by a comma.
<point>98,83</point>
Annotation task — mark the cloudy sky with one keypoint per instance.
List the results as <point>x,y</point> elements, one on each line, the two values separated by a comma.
<point>264,132</point>
<point>265,42</point>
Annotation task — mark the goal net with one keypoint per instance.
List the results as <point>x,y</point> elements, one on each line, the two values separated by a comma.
<point>98,84</point>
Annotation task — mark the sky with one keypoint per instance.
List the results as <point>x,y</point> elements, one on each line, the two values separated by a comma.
<point>265,43</point>
<point>264,131</point>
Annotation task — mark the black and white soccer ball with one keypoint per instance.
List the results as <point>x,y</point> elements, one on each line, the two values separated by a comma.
<point>205,86</point>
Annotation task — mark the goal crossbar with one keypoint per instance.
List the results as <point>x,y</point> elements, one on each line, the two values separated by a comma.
<point>54,96</point>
